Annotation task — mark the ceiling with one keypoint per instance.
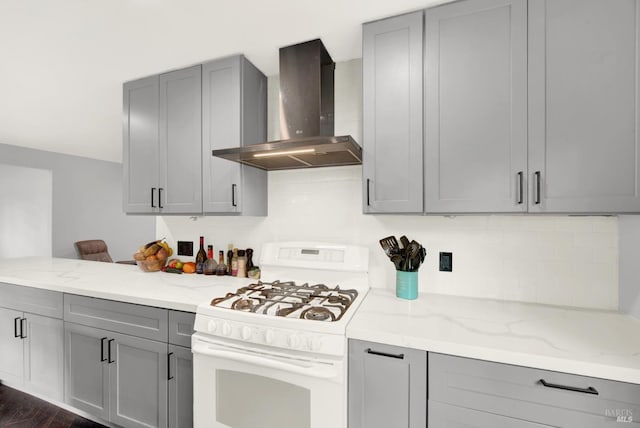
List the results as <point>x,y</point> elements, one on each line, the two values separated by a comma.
<point>63,62</point>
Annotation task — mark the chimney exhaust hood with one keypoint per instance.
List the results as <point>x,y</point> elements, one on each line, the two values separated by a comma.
<point>306,117</point>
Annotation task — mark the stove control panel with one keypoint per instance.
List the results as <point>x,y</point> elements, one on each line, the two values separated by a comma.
<point>321,343</point>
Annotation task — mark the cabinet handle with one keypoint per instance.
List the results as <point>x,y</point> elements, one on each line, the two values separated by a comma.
<point>160,197</point>
<point>368,183</point>
<point>588,390</point>
<point>169,377</point>
<point>233,195</point>
<point>537,200</point>
<point>109,360</point>
<point>153,193</point>
<point>15,327</point>
<point>520,187</point>
<point>384,354</point>
<point>23,330</point>
<point>102,358</point>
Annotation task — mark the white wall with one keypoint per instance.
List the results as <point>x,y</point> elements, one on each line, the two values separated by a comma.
<point>629,230</point>
<point>25,211</point>
<point>555,260</point>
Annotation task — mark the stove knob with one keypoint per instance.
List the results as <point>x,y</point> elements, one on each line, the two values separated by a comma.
<point>211,326</point>
<point>269,336</point>
<point>246,333</point>
<point>226,329</point>
<point>314,343</point>
<point>294,341</point>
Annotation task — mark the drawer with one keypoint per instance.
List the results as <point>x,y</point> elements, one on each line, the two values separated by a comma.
<point>32,300</point>
<point>519,392</point>
<point>447,416</point>
<point>181,327</point>
<point>128,318</point>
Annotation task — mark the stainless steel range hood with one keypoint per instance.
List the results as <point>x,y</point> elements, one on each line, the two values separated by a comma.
<point>306,117</point>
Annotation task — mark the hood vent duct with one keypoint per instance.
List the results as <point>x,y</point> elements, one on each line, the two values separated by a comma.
<point>306,117</point>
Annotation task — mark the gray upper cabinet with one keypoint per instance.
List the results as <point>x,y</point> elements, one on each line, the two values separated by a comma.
<point>140,146</point>
<point>475,123</point>
<point>392,115</point>
<point>387,386</point>
<point>234,114</point>
<point>583,111</point>
<point>180,138</point>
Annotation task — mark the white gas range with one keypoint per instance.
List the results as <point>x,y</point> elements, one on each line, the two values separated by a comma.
<point>279,343</point>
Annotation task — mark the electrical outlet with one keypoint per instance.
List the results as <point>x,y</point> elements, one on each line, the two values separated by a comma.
<point>185,248</point>
<point>446,262</point>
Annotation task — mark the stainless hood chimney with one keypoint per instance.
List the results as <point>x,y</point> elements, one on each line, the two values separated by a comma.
<point>306,117</point>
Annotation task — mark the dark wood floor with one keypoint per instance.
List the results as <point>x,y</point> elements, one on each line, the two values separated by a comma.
<point>20,410</point>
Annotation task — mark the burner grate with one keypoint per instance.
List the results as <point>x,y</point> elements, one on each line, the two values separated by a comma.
<point>286,299</point>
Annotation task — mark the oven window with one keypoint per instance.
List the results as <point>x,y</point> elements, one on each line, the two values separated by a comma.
<point>249,401</point>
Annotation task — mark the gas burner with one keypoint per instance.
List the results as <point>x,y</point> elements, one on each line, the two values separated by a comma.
<point>318,313</point>
<point>287,299</point>
<point>243,304</point>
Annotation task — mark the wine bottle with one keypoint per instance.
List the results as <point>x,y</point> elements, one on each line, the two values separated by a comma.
<point>201,257</point>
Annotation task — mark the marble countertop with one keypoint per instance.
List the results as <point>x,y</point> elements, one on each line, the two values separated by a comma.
<point>595,343</point>
<point>114,281</point>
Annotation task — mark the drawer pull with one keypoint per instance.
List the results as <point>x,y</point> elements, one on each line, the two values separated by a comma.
<point>384,354</point>
<point>588,390</point>
<point>109,360</point>
<point>23,334</point>
<point>102,357</point>
<point>15,327</point>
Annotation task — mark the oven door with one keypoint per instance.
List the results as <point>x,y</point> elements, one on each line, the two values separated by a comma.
<point>246,387</point>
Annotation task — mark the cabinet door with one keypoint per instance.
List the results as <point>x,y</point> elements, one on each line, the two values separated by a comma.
<point>392,115</point>
<point>43,356</point>
<point>583,106</point>
<point>138,379</point>
<point>180,387</point>
<point>86,369</point>
<point>140,146</point>
<point>181,142</point>
<point>387,386</point>
<point>11,354</point>
<point>476,107</point>
<point>221,121</point>
<point>447,416</point>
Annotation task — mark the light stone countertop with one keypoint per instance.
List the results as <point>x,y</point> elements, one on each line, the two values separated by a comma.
<point>602,344</point>
<point>114,281</point>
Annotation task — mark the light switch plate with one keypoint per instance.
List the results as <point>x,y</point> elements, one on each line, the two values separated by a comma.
<point>185,248</point>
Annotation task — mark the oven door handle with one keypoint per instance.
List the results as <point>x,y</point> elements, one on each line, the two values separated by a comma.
<point>213,351</point>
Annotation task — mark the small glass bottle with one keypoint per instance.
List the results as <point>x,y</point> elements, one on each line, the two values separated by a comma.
<point>229,257</point>
<point>210,264</point>
<point>234,263</point>
<point>222,268</point>
<point>242,264</point>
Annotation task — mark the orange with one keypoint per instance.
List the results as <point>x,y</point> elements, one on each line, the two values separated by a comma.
<point>189,267</point>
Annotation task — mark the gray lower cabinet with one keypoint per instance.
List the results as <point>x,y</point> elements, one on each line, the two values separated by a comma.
<point>392,115</point>
<point>234,114</point>
<point>180,387</point>
<point>116,377</point>
<point>583,111</point>
<point>387,386</point>
<point>128,364</point>
<point>31,342</point>
<point>473,393</point>
<point>448,416</point>
<point>475,146</point>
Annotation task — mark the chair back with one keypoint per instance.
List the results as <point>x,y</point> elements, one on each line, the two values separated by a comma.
<point>93,249</point>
